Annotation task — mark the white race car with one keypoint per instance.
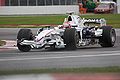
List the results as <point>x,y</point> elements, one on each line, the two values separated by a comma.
<point>72,34</point>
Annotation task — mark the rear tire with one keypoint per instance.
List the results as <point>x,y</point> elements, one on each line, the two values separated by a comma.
<point>71,38</point>
<point>108,37</point>
<point>24,34</point>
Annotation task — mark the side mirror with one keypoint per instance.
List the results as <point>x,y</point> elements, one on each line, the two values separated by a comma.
<point>65,20</point>
<point>39,30</point>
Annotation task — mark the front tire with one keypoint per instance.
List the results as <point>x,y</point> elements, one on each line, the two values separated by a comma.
<point>108,37</point>
<point>24,34</point>
<point>71,38</point>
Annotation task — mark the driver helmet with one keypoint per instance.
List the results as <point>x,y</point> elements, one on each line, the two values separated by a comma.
<point>66,25</point>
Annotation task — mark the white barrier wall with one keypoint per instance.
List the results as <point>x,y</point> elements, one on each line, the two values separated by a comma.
<point>22,10</point>
<point>118,6</point>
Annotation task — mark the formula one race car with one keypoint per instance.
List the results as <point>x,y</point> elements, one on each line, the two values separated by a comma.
<point>72,34</point>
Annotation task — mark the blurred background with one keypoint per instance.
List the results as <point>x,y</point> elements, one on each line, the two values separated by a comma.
<point>18,7</point>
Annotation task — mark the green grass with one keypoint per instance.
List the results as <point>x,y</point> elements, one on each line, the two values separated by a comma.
<point>33,19</point>
<point>112,19</point>
<point>20,26</point>
<point>2,43</point>
<point>63,70</point>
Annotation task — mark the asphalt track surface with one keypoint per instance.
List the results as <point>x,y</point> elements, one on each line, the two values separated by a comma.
<point>91,56</point>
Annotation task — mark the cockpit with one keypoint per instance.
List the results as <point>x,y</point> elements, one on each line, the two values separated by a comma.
<point>69,18</point>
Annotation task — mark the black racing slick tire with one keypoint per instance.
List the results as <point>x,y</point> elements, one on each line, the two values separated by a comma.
<point>71,38</point>
<point>108,37</point>
<point>24,34</point>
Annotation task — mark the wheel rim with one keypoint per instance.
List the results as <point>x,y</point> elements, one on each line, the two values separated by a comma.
<point>113,36</point>
<point>77,40</point>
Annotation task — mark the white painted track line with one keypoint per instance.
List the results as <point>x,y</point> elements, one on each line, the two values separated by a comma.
<point>62,57</point>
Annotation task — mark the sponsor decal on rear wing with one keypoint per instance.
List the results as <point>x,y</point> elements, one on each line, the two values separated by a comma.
<point>94,20</point>
<point>100,21</point>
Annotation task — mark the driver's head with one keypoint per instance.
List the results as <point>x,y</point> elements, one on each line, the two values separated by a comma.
<point>66,25</point>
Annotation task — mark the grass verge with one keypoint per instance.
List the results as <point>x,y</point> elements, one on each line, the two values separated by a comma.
<point>2,43</point>
<point>112,19</point>
<point>20,26</point>
<point>63,70</point>
<point>45,19</point>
